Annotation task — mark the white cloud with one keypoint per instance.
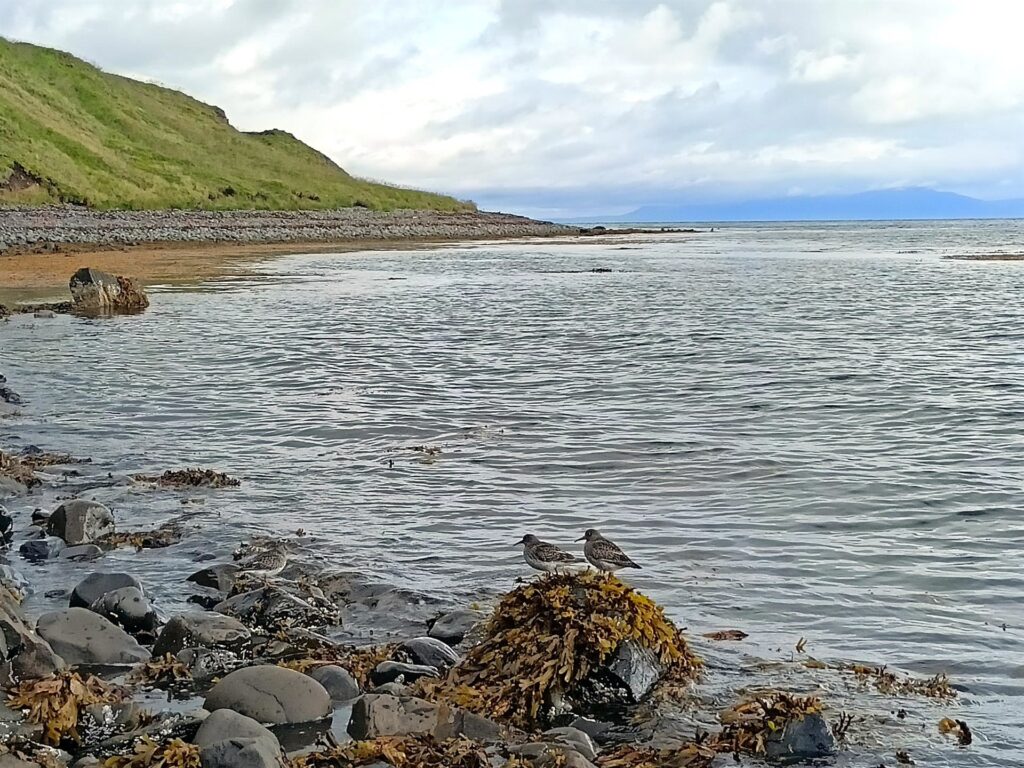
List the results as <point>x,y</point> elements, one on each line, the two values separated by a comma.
<point>608,103</point>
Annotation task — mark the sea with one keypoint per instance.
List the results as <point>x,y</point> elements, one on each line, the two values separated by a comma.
<point>812,433</point>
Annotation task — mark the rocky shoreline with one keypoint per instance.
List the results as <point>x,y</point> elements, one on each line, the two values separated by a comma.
<point>266,664</point>
<point>32,229</point>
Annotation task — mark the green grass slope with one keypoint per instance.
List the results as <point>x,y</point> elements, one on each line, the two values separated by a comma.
<point>72,133</point>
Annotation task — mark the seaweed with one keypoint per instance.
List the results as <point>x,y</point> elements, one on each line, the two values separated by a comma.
<point>420,751</point>
<point>150,754</point>
<point>16,469</point>
<point>57,702</point>
<point>891,684</point>
<point>357,661</point>
<point>165,670</point>
<point>726,634</point>
<point>190,478</point>
<point>631,756</point>
<point>550,635</point>
<point>750,723</point>
<point>156,538</point>
<point>31,752</point>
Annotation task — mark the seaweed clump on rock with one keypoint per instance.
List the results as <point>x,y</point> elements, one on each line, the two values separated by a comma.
<point>408,752</point>
<point>567,644</point>
<point>58,702</point>
<point>190,478</point>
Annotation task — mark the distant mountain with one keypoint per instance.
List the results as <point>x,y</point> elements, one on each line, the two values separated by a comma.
<point>887,204</point>
<point>72,133</point>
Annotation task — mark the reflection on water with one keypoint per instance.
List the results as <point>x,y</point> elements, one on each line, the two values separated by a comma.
<point>798,431</point>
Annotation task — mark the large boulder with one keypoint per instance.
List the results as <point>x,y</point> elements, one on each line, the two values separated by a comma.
<point>271,694</point>
<point>129,609</point>
<point>380,714</point>
<point>226,724</point>
<point>240,753</point>
<point>83,637</point>
<point>96,585</point>
<point>80,521</point>
<point>201,629</point>
<point>94,291</point>
<point>26,655</point>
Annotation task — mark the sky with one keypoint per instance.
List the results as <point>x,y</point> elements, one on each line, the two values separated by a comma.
<point>584,107</point>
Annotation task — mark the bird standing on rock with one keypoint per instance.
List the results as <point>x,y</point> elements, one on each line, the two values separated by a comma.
<point>603,554</point>
<point>544,556</point>
<point>6,529</point>
<point>267,563</point>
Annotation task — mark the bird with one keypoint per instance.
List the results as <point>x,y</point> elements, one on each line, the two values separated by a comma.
<point>270,562</point>
<point>6,528</point>
<point>545,556</point>
<point>603,554</point>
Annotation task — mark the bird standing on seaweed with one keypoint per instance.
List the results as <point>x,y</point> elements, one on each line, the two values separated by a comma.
<point>603,554</point>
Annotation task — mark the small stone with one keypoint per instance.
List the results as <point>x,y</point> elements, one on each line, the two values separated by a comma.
<point>129,609</point>
<point>207,663</point>
<point>431,652</point>
<point>804,738</point>
<point>375,715</point>
<point>44,314</point>
<point>452,627</point>
<point>42,549</point>
<point>81,552</point>
<point>337,681</point>
<point>227,724</point>
<point>96,585</point>
<point>201,629</point>
<point>391,671</point>
<point>80,522</point>
<point>220,577</point>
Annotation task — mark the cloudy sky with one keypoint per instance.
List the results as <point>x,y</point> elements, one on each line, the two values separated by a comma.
<point>593,106</point>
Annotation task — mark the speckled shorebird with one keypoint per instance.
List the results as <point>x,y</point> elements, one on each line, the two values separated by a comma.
<point>270,562</point>
<point>603,554</point>
<point>6,528</point>
<point>545,556</point>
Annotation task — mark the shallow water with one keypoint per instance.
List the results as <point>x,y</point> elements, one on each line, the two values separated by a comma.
<point>798,430</point>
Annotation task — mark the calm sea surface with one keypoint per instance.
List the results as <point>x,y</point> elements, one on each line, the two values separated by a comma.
<point>807,431</point>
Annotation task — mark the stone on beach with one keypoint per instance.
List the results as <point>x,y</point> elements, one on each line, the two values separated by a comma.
<point>220,577</point>
<point>80,521</point>
<point>96,291</point>
<point>83,637</point>
<point>129,609</point>
<point>201,629</point>
<point>271,694</point>
<point>453,627</point>
<point>805,738</point>
<point>96,585</point>
<point>42,549</point>
<point>431,652</point>
<point>81,552</point>
<point>26,655</point>
<point>376,715</point>
<point>337,681</point>
<point>391,671</point>
<point>230,740</point>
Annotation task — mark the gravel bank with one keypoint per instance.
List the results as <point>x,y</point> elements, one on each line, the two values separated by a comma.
<point>22,228</point>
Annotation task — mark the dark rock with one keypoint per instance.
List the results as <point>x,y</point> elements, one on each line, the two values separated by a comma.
<point>806,738</point>
<point>6,528</point>
<point>201,629</point>
<point>452,627</point>
<point>42,549</point>
<point>637,668</point>
<point>26,655</point>
<point>430,652</point>
<point>274,606</point>
<point>270,694</point>
<point>391,671</point>
<point>96,585</point>
<point>81,552</point>
<point>83,637</point>
<point>95,291</point>
<point>207,663</point>
<point>337,681</point>
<point>9,396</point>
<point>80,522</point>
<point>220,577</point>
<point>129,609</point>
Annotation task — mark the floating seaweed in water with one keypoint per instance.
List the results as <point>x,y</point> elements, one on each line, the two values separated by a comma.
<point>891,684</point>
<point>631,756</point>
<point>959,728</point>
<point>57,702</point>
<point>166,670</point>
<point>552,634</point>
<point>36,459</point>
<point>726,634</point>
<point>150,754</point>
<point>157,538</point>
<point>13,467</point>
<point>749,724</point>
<point>190,478</point>
<point>421,751</point>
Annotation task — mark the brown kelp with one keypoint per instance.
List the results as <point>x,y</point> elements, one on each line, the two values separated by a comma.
<point>57,702</point>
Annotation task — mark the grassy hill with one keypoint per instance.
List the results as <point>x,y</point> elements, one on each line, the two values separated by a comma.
<point>72,133</point>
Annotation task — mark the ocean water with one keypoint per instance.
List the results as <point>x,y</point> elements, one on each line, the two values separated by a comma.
<point>800,431</point>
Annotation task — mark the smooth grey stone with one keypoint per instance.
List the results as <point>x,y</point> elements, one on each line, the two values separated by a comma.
<point>806,738</point>
<point>96,585</point>
<point>240,753</point>
<point>637,667</point>
<point>379,714</point>
<point>225,724</point>
<point>452,627</point>
<point>220,577</point>
<point>337,681</point>
<point>575,738</point>
<point>271,694</point>
<point>81,552</point>
<point>201,629</point>
<point>80,522</point>
<point>83,637</point>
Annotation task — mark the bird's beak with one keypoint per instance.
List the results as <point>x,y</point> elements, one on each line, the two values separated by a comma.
<point>581,538</point>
